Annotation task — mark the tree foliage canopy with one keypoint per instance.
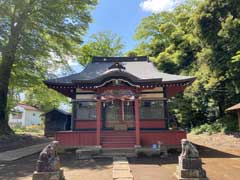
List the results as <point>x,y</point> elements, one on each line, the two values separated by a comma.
<point>35,37</point>
<point>201,39</point>
<point>103,44</point>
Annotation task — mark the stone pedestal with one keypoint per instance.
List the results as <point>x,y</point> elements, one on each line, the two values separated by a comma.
<point>56,175</point>
<point>190,169</point>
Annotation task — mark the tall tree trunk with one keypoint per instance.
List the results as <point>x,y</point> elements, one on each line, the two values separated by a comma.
<point>5,74</point>
<point>8,59</point>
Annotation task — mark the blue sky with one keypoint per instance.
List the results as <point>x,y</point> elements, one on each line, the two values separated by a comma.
<point>123,17</point>
<point>119,16</point>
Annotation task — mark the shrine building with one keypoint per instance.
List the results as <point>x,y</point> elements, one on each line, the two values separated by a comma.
<point>120,102</point>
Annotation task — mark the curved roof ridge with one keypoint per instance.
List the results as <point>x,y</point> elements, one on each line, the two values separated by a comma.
<point>119,59</point>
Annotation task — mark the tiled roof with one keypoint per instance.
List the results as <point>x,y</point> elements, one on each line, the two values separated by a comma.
<point>139,67</point>
<point>28,107</point>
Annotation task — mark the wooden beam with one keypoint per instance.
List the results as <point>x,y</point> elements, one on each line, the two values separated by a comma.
<point>122,111</point>
<point>137,121</point>
<point>98,122</point>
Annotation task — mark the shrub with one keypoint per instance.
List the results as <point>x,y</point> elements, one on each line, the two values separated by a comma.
<point>226,124</point>
<point>209,128</point>
<point>28,129</point>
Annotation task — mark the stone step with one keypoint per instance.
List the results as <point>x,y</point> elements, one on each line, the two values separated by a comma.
<point>118,149</point>
<point>121,169</point>
<point>111,152</point>
<point>111,155</point>
<point>119,141</point>
<point>118,137</point>
<point>117,145</point>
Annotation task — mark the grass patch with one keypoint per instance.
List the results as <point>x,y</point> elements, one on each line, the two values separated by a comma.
<point>223,125</point>
<point>33,129</point>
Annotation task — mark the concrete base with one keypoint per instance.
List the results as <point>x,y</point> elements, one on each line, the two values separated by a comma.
<point>180,178</point>
<point>191,173</point>
<point>88,152</point>
<point>162,152</point>
<point>57,175</point>
<point>189,163</point>
<point>190,169</point>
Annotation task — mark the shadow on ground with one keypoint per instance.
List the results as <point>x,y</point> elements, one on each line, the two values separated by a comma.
<point>207,152</point>
<point>19,168</point>
<point>69,160</point>
<point>23,168</point>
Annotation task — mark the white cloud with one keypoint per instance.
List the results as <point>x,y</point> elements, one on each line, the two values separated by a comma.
<point>157,6</point>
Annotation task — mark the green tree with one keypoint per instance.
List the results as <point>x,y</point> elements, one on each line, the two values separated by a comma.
<point>101,44</point>
<point>201,39</point>
<point>218,26</point>
<point>36,96</point>
<point>33,30</point>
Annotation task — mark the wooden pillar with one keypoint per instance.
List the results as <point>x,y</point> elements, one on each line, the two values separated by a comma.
<point>98,122</point>
<point>137,121</point>
<point>122,111</point>
<point>238,113</point>
<point>73,117</point>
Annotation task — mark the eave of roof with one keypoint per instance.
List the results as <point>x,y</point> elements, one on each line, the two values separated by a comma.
<point>59,110</point>
<point>28,107</point>
<point>234,108</point>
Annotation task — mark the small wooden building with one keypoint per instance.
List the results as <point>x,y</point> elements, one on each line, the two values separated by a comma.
<point>120,102</point>
<point>57,120</point>
<point>235,108</point>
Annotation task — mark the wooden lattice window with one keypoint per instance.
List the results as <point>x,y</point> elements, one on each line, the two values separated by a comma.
<point>152,109</point>
<point>85,110</point>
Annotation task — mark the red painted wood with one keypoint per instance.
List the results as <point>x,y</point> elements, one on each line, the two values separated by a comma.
<point>102,89</point>
<point>137,121</point>
<point>156,123</point>
<point>119,138</point>
<point>98,121</point>
<point>173,90</point>
<point>166,137</point>
<point>76,138</point>
<point>122,111</point>
<point>85,124</point>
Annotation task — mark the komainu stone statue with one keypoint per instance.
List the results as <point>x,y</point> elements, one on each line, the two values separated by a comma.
<point>48,164</point>
<point>190,165</point>
<point>188,150</point>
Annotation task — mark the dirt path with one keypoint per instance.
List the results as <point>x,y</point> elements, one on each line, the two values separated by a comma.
<point>22,169</point>
<point>220,156</point>
<point>226,143</point>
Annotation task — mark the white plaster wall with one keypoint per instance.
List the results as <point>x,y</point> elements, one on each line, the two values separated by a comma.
<point>17,121</point>
<point>31,119</point>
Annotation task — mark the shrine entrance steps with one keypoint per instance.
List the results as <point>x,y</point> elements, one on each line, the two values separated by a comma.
<point>118,139</point>
<point>116,152</point>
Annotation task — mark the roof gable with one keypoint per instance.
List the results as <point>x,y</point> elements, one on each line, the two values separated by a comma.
<point>139,67</point>
<point>27,107</point>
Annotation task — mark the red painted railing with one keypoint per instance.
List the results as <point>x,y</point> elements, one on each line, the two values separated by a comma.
<point>147,137</point>
<point>166,137</point>
<point>76,138</point>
